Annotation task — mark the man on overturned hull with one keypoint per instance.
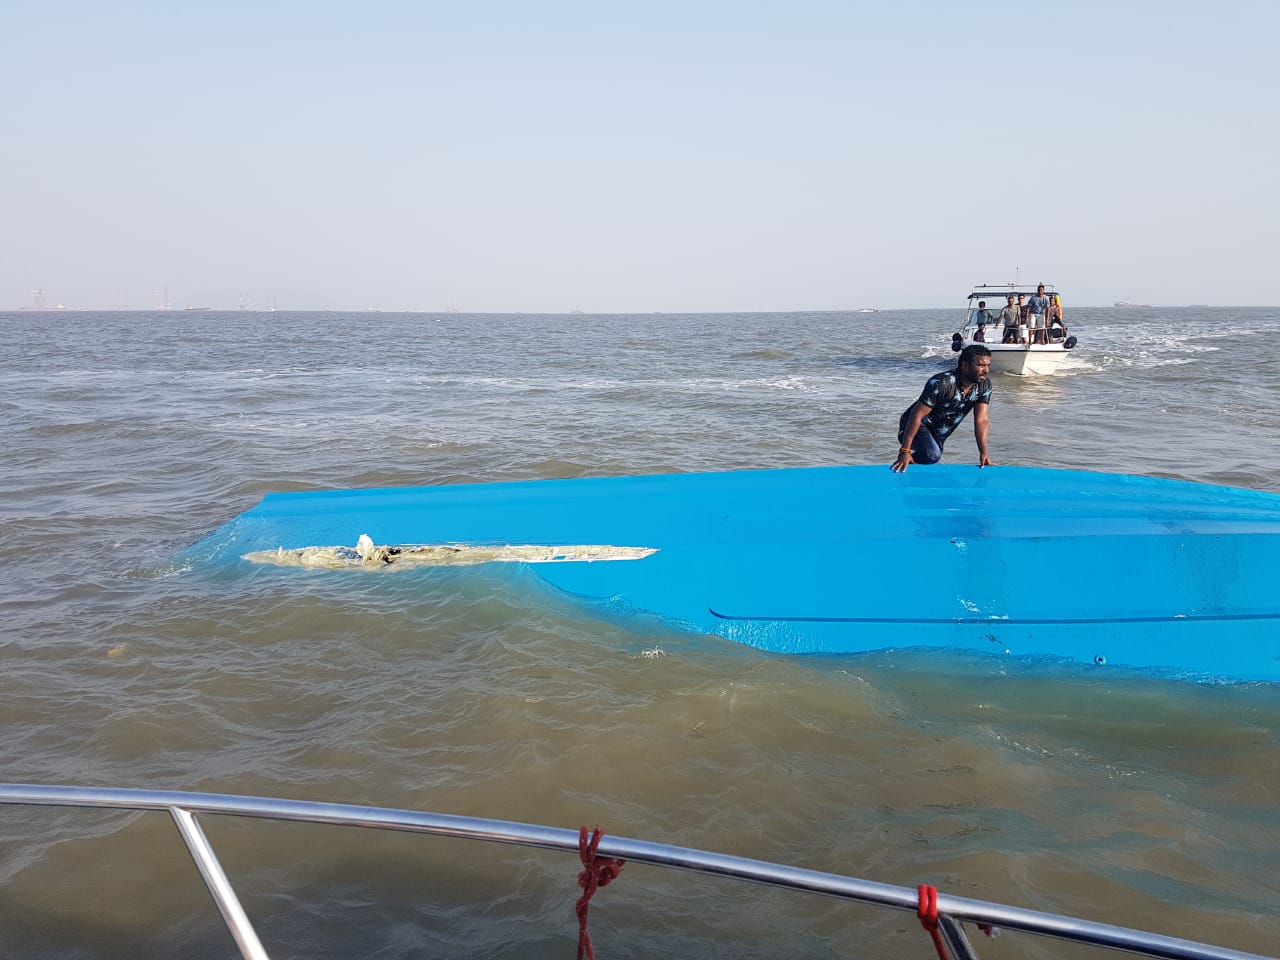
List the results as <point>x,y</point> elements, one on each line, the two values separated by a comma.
<point>945,401</point>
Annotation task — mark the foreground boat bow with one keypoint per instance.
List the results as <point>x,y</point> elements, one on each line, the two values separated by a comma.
<point>948,913</point>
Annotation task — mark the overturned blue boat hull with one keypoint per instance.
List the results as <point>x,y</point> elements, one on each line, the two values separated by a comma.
<point>1094,568</point>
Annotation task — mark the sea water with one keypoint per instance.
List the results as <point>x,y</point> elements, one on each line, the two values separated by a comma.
<point>1120,798</point>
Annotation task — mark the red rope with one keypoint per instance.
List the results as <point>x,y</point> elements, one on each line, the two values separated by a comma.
<point>927,911</point>
<point>599,872</point>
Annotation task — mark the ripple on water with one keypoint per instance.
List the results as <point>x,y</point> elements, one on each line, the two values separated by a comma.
<point>1133,800</point>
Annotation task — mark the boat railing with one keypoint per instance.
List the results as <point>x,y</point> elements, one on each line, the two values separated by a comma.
<point>951,911</point>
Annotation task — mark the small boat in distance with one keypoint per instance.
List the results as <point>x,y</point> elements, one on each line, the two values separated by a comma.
<point>1129,303</point>
<point>869,310</point>
<point>1021,359</point>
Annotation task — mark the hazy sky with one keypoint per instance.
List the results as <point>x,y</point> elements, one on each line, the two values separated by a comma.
<point>616,156</point>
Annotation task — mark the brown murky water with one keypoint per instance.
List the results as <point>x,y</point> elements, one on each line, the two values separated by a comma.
<point>480,691</point>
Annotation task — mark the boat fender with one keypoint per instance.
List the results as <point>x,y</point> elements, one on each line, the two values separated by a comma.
<point>1069,343</point>
<point>957,341</point>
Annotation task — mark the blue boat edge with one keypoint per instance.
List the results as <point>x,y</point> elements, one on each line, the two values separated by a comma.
<point>1080,567</point>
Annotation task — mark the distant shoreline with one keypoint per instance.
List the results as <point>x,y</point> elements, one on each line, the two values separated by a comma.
<point>365,311</point>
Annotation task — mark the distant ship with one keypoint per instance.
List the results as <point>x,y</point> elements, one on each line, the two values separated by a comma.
<point>1127,303</point>
<point>197,308</point>
<point>40,305</point>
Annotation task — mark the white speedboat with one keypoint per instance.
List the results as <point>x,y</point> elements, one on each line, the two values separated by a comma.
<point>1010,351</point>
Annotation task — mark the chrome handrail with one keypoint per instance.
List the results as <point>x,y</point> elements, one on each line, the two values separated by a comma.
<point>215,878</point>
<point>184,806</point>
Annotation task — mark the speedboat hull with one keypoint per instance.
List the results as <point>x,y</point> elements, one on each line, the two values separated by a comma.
<point>1023,360</point>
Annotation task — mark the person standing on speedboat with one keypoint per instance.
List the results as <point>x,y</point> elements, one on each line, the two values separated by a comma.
<point>981,317</point>
<point>1057,322</point>
<point>1009,320</point>
<point>945,401</point>
<point>1038,307</point>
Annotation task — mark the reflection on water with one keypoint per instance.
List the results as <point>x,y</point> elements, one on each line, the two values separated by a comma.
<point>1035,392</point>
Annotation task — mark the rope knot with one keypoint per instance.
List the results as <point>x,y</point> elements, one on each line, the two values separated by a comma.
<point>927,912</point>
<point>598,872</point>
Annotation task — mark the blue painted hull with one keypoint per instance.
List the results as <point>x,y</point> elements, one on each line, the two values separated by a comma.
<point>1088,567</point>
